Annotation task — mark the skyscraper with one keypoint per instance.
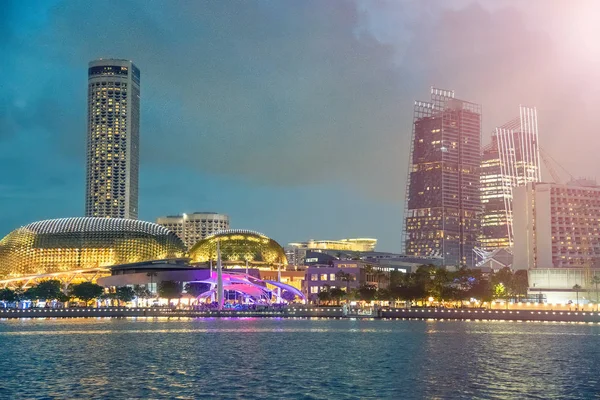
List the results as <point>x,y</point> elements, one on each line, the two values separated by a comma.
<point>443,207</point>
<point>512,159</point>
<point>113,139</point>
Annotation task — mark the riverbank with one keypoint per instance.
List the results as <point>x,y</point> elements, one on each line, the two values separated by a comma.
<point>312,312</point>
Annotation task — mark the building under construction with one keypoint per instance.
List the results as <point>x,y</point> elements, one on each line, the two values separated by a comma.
<point>443,206</point>
<point>512,159</point>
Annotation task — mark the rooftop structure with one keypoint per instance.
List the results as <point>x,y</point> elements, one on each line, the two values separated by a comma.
<point>240,288</point>
<point>442,197</point>
<point>358,244</point>
<point>62,246</point>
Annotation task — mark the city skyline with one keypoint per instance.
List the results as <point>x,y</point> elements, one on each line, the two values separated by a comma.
<point>331,153</point>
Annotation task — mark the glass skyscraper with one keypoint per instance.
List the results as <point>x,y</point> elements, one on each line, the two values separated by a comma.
<point>443,206</point>
<point>113,139</point>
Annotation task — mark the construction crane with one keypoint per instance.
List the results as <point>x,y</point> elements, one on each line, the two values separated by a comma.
<point>547,158</point>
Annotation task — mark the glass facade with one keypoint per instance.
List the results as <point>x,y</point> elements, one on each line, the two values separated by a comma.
<point>442,214</point>
<point>68,244</point>
<point>239,246</point>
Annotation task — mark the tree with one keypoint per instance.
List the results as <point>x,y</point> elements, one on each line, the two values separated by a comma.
<point>86,291</point>
<point>596,281</point>
<point>577,288</point>
<point>141,292</point>
<point>367,292</point>
<point>337,294</point>
<point>8,295</point>
<point>46,290</point>
<point>169,290</point>
<point>345,277</point>
<point>124,294</point>
<point>520,283</point>
<point>324,294</point>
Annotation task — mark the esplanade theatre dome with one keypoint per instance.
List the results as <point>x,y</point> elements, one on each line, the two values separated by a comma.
<point>238,246</point>
<point>67,244</point>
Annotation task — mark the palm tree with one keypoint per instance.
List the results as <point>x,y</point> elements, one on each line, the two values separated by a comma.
<point>596,281</point>
<point>345,277</point>
<point>577,288</point>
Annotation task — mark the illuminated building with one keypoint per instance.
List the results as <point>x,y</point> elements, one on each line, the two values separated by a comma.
<point>556,225</point>
<point>239,247</point>
<point>360,244</point>
<point>239,287</point>
<point>512,159</point>
<point>443,206</point>
<point>113,139</point>
<point>67,246</point>
<point>192,228</point>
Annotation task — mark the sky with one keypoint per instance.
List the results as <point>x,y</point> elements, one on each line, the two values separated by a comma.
<point>292,117</point>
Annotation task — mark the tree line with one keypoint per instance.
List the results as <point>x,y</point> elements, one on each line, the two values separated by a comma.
<point>428,281</point>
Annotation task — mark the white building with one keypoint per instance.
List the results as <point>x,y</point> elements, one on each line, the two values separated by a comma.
<point>113,139</point>
<point>557,236</point>
<point>192,228</point>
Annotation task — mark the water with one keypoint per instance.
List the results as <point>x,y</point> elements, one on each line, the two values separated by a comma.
<point>282,358</point>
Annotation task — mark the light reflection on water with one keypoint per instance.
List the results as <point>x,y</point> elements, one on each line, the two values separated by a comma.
<point>279,358</point>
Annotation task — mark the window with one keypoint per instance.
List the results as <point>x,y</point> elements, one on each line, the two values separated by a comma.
<point>314,289</point>
<point>332,277</point>
<point>314,277</point>
<point>323,277</point>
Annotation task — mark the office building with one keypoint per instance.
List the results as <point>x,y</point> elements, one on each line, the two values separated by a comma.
<point>113,131</point>
<point>443,206</point>
<point>192,228</point>
<point>511,159</point>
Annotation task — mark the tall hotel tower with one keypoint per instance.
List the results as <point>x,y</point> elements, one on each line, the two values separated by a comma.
<point>512,159</point>
<point>113,137</point>
<point>443,206</point>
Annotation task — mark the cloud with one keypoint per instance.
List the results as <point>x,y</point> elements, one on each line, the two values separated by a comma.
<point>277,93</point>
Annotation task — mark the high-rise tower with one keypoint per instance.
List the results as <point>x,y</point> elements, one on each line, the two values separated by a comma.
<point>512,159</point>
<point>113,139</point>
<point>443,206</point>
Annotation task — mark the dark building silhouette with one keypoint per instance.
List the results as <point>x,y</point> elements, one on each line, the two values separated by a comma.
<point>443,206</point>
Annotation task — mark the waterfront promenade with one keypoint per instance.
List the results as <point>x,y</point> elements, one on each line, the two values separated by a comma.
<point>313,312</point>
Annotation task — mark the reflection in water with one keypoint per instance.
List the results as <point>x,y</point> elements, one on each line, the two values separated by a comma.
<point>279,358</point>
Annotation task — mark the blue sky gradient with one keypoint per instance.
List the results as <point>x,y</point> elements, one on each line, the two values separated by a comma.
<point>293,117</point>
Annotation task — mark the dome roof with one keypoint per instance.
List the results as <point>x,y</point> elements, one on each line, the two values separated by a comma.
<point>60,245</point>
<point>238,246</point>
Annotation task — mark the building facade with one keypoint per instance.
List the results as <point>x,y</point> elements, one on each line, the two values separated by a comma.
<point>63,247</point>
<point>557,225</point>
<point>358,244</point>
<point>113,131</point>
<point>443,206</point>
<point>511,159</point>
<point>192,228</point>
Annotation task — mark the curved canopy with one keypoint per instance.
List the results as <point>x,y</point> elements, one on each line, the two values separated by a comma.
<point>289,288</point>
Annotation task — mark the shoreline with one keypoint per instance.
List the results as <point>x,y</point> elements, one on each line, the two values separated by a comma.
<point>314,312</point>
